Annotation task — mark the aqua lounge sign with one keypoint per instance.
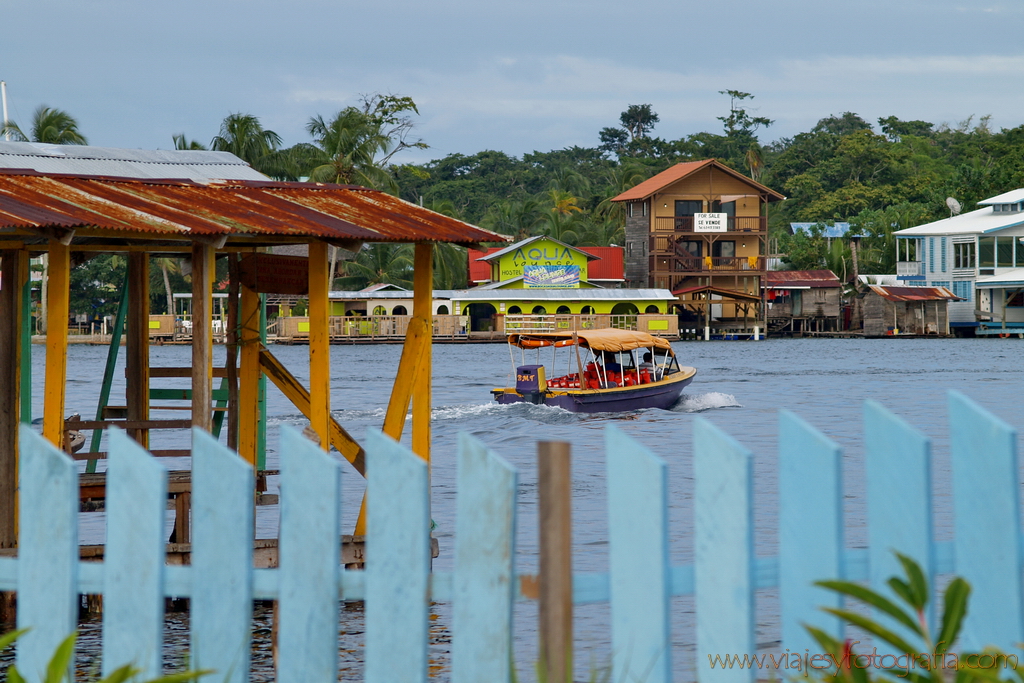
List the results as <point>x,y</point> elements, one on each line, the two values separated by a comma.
<point>551,277</point>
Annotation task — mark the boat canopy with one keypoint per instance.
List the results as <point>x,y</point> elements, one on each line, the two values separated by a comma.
<point>607,339</point>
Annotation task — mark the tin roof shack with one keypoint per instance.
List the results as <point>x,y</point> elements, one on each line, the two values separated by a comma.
<point>906,311</point>
<point>800,301</point>
<point>71,217</point>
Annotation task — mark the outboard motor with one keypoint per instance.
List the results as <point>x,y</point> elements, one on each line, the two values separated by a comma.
<point>531,383</point>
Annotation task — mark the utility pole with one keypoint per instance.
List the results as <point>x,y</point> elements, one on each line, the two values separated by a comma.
<point>3,96</point>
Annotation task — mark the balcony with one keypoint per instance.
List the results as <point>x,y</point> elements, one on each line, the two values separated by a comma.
<point>684,224</point>
<point>909,270</point>
<point>706,264</point>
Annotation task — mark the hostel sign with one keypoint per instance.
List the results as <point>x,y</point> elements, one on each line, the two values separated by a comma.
<point>551,277</point>
<point>544,263</point>
<point>710,222</point>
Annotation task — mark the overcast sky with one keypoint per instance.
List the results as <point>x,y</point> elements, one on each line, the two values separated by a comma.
<point>513,76</point>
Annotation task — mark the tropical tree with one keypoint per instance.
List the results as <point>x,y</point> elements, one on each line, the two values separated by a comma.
<point>181,142</point>
<point>244,136</point>
<point>357,145</point>
<point>378,264</point>
<point>49,125</point>
<point>520,219</point>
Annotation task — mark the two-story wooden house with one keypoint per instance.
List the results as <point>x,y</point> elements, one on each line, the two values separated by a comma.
<point>700,229</point>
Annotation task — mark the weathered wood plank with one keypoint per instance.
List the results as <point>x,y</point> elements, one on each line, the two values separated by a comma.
<point>638,561</point>
<point>48,552</point>
<point>319,344</point>
<point>810,530</point>
<point>309,562</point>
<point>554,503</point>
<point>483,586</point>
<point>12,266</point>
<point>137,347</point>
<point>203,273</point>
<point>422,300</point>
<point>724,552</point>
<point>986,505</point>
<point>897,462</point>
<point>133,598</point>
<point>57,311</point>
<point>249,376</point>
<point>222,553</point>
<point>397,562</point>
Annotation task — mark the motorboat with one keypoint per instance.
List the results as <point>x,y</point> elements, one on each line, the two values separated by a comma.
<point>605,370</point>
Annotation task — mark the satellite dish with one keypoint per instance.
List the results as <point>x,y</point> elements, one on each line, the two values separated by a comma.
<point>954,206</point>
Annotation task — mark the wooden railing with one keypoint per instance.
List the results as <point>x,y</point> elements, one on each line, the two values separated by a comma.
<point>662,325</point>
<point>705,264</point>
<point>372,327</point>
<point>398,586</point>
<point>734,224</point>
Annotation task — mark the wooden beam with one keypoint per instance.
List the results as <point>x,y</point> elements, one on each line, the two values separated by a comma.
<point>319,343</point>
<point>249,376</point>
<point>137,345</point>
<point>57,311</point>
<point>422,307</point>
<point>13,266</point>
<point>231,355</point>
<point>297,394</point>
<point>554,493</point>
<point>202,335</point>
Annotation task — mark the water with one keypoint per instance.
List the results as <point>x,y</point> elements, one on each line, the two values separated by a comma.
<point>740,386</point>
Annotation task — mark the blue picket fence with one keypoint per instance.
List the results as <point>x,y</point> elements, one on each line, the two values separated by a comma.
<point>397,584</point>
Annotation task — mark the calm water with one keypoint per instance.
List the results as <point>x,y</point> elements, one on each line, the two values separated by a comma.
<point>740,386</point>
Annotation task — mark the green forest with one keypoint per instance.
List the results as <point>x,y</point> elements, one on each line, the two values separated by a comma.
<point>879,176</point>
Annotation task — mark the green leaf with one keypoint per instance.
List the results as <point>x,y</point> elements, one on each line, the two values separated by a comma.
<point>827,642</point>
<point>902,589</point>
<point>876,600</point>
<point>121,674</point>
<point>183,676</point>
<point>918,582</point>
<point>874,628</point>
<point>57,669</point>
<point>954,611</point>
<point>8,638</point>
<point>13,676</point>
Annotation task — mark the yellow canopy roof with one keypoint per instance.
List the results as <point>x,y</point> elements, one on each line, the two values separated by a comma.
<point>607,339</point>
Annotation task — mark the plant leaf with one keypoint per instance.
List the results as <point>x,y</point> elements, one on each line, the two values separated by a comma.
<point>120,674</point>
<point>955,609</point>
<point>57,669</point>
<point>902,589</point>
<point>876,600</point>
<point>8,638</point>
<point>182,677</point>
<point>874,628</point>
<point>918,582</point>
<point>13,676</point>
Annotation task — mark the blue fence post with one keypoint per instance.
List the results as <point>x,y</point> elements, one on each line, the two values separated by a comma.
<point>638,561</point>
<point>810,531</point>
<point>397,562</point>
<point>309,559</point>
<point>47,551</point>
<point>222,523</point>
<point>897,462</point>
<point>133,563</point>
<point>483,586</point>
<point>986,503</point>
<point>724,553</point>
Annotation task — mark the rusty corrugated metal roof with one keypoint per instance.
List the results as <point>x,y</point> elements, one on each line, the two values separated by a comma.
<point>914,293</point>
<point>179,208</point>
<point>781,279</point>
<point>681,170</point>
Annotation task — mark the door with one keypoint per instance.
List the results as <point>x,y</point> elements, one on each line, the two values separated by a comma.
<point>798,303</point>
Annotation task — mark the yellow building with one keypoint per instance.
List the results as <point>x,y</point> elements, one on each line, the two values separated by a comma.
<point>700,229</point>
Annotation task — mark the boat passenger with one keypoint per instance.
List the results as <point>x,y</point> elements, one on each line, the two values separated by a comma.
<point>650,367</point>
<point>608,358</point>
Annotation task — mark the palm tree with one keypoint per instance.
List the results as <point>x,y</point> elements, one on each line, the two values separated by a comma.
<point>379,264</point>
<point>350,149</point>
<point>168,266</point>
<point>520,219</point>
<point>245,137</point>
<point>562,218</point>
<point>181,142</point>
<point>51,126</point>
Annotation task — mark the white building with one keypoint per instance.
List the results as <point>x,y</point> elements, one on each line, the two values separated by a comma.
<point>979,256</point>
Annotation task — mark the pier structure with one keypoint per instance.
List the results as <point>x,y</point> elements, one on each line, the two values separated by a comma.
<point>72,218</point>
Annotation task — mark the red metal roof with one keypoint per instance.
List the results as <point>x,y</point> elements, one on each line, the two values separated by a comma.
<point>180,208</point>
<point>914,293</point>
<point>782,279</point>
<point>681,170</point>
<point>608,266</point>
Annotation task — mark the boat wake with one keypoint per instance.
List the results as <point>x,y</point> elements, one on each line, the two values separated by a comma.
<point>698,403</point>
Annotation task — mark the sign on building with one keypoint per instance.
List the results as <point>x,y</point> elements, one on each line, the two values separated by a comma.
<point>551,277</point>
<point>710,222</point>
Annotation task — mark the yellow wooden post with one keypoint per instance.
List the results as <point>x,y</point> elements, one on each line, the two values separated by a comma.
<point>249,376</point>
<point>422,303</point>
<point>57,311</point>
<point>203,264</point>
<point>14,269</point>
<point>319,344</point>
<point>137,344</point>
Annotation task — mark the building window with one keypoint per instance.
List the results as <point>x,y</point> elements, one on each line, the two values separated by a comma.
<point>963,255</point>
<point>688,207</point>
<point>629,209</point>
<point>931,254</point>
<point>1004,252</point>
<point>539,310</point>
<point>399,310</point>
<point>819,294</point>
<point>651,309</point>
<point>643,208</point>
<point>514,310</point>
<point>943,246</point>
<point>986,255</point>
<point>1019,248</point>
<point>442,310</point>
<point>724,249</point>
<point>563,310</point>
<point>1016,300</point>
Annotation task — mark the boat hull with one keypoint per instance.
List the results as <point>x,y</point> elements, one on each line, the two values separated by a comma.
<point>662,394</point>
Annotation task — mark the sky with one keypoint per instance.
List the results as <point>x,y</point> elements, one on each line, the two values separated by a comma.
<point>520,76</point>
